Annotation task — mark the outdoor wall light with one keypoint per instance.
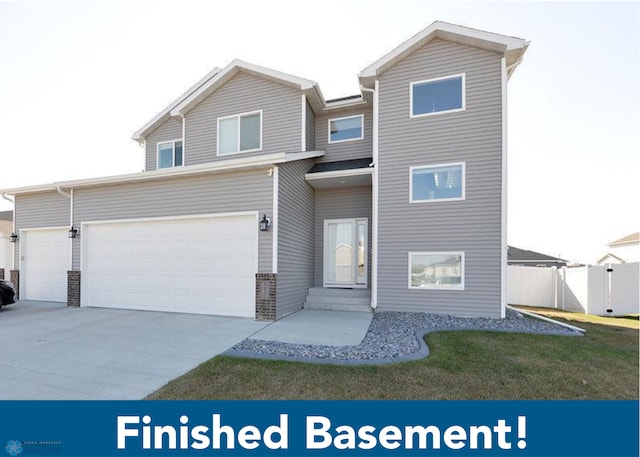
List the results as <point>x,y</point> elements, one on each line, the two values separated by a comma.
<point>73,232</point>
<point>13,237</point>
<point>264,223</point>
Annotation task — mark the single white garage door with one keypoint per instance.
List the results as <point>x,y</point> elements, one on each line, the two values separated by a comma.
<point>44,255</point>
<point>203,265</point>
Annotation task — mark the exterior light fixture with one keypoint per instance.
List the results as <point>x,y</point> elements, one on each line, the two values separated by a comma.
<point>264,223</point>
<point>73,232</point>
<point>13,237</point>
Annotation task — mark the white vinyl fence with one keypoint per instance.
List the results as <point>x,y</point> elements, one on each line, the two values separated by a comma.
<point>590,289</point>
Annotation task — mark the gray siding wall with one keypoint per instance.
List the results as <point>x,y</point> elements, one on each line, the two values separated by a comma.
<point>310,129</point>
<point>210,194</point>
<point>47,209</point>
<point>348,150</point>
<point>472,225</point>
<point>340,203</point>
<point>281,118</point>
<point>169,130</point>
<point>295,237</point>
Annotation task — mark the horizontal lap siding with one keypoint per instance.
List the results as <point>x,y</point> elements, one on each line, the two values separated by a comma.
<point>347,150</point>
<point>169,130</point>
<point>473,225</point>
<point>281,118</point>
<point>211,194</point>
<point>295,223</point>
<point>310,129</point>
<point>340,203</point>
<point>50,209</point>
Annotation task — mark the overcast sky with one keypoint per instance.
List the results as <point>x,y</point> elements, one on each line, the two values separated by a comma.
<point>77,79</point>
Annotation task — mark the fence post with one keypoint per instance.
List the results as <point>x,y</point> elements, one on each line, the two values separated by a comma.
<point>564,284</point>
<point>555,287</point>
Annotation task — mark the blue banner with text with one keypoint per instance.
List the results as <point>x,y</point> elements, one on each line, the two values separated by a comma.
<point>298,428</point>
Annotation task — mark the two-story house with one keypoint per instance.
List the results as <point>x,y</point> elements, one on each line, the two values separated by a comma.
<point>260,197</point>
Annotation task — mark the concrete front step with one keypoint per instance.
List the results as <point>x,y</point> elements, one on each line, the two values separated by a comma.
<point>336,292</point>
<point>338,299</point>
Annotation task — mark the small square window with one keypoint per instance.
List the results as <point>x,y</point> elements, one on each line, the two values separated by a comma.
<point>170,154</point>
<point>437,183</point>
<point>346,129</point>
<point>436,270</point>
<point>440,95</point>
<point>240,133</point>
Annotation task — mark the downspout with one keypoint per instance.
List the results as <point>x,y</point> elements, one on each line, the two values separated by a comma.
<point>70,197</point>
<point>374,197</point>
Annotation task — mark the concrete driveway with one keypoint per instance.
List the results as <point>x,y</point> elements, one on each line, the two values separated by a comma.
<point>50,351</point>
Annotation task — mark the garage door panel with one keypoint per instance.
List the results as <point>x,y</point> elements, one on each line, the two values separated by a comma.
<point>45,264</point>
<point>201,265</point>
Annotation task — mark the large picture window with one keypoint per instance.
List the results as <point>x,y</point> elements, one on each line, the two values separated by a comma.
<point>437,182</point>
<point>348,128</point>
<point>240,133</point>
<point>436,96</point>
<point>170,154</point>
<point>436,270</point>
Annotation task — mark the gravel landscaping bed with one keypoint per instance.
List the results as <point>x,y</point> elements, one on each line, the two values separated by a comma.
<point>393,337</point>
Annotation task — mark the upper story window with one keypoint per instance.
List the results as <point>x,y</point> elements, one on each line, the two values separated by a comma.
<point>170,154</point>
<point>437,182</point>
<point>350,128</point>
<point>437,96</point>
<point>240,133</point>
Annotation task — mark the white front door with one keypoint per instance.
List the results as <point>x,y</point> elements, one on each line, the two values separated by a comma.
<point>345,253</point>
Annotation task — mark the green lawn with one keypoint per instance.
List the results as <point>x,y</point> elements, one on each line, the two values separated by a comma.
<point>603,364</point>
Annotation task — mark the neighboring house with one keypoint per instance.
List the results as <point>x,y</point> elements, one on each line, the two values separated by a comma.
<point>623,250</point>
<point>411,172</point>
<point>523,257</point>
<point>6,251</point>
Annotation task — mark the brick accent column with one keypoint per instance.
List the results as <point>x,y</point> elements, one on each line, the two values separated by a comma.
<point>73,288</point>
<point>266,296</point>
<point>14,277</point>
<point>1,273</point>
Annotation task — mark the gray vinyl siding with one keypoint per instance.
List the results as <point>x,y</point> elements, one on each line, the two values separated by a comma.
<point>209,194</point>
<point>281,118</point>
<point>350,149</point>
<point>473,225</point>
<point>340,203</point>
<point>169,130</point>
<point>310,129</point>
<point>295,222</point>
<point>47,209</point>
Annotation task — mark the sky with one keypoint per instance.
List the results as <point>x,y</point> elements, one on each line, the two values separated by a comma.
<point>78,78</point>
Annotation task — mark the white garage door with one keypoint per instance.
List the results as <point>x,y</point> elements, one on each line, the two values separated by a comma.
<point>44,264</point>
<point>202,265</point>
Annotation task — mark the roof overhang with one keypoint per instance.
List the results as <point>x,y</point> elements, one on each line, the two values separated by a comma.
<point>511,47</point>
<point>243,163</point>
<point>229,72</point>
<point>161,117</point>
<point>346,173</point>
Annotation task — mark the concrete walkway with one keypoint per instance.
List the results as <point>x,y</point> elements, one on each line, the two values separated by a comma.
<point>311,326</point>
<point>50,351</point>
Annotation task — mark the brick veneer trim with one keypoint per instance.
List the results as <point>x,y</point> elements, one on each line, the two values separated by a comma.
<point>73,288</point>
<point>266,296</point>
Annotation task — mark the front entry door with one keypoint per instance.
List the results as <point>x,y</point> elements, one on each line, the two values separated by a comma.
<point>345,253</point>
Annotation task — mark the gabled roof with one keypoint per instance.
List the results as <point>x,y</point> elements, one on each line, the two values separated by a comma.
<point>150,126</point>
<point>632,239</point>
<point>524,256</point>
<point>513,48</point>
<point>609,255</point>
<point>229,72</point>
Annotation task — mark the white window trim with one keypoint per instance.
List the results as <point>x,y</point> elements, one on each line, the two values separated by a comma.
<point>442,286</point>
<point>361,116</point>
<point>443,78</point>
<point>438,165</point>
<point>238,116</point>
<point>173,156</point>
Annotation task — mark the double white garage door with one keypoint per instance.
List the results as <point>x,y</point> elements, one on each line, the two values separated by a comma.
<point>202,265</point>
